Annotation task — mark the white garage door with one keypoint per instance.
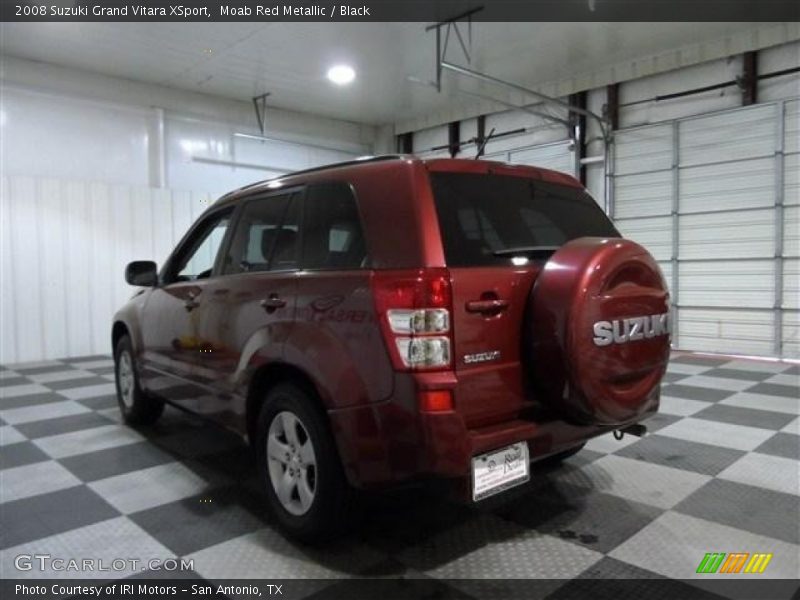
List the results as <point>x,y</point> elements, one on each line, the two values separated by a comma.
<point>715,199</point>
<point>556,155</point>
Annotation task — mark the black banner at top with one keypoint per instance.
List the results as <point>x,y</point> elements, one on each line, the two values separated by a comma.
<point>401,10</point>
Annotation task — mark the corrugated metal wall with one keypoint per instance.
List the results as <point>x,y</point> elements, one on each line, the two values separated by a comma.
<point>65,245</point>
<point>715,199</point>
<point>558,156</point>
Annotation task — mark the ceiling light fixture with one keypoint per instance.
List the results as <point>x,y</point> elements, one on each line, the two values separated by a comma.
<point>341,74</point>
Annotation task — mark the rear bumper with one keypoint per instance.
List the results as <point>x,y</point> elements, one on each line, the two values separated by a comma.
<point>388,444</point>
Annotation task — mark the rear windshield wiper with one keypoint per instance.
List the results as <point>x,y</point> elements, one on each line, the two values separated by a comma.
<point>526,250</point>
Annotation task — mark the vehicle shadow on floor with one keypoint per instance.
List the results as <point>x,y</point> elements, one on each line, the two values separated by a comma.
<point>417,528</point>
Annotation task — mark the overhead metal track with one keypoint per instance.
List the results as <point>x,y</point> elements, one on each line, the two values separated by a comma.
<point>317,146</point>
<point>525,109</point>
<point>601,121</point>
<point>528,108</point>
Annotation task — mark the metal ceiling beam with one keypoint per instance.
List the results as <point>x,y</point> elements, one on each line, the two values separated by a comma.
<point>260,104</point>
<point>452,23</point>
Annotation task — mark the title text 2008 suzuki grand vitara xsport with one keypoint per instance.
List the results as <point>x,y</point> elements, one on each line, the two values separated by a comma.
<point>387,320</point>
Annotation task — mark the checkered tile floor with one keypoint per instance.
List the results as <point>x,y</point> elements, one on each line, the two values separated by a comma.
<point>717,472</point>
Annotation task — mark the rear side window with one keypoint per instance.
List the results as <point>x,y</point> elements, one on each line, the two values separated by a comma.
<point>332,235</point>
<point>482,215</point>
<point>266,236</point>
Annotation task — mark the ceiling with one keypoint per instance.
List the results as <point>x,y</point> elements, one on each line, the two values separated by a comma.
<point>289,60</point>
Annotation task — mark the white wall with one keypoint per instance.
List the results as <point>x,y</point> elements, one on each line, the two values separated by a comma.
<point>97,171</point>
<point>59,122</point>
<point>638,108</point>
<point>65,244</point>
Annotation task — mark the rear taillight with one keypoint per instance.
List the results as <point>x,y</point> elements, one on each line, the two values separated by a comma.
<point>414,309</point>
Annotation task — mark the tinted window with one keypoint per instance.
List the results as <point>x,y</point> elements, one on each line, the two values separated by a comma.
<point>482,214</point>
<point>266,236</point>
<point>332,236</point>
<point>196,259</point>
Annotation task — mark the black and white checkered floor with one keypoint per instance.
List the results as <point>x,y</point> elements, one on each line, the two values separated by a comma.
<point>718,472</point>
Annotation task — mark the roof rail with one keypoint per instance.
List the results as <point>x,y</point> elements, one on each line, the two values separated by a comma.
<point>355,161</point>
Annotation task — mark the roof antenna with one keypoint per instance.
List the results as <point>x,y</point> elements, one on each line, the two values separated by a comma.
<point>483,144</point>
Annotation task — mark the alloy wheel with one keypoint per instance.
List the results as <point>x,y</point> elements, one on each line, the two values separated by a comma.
<point>292,463</point>
<point>125,378</point>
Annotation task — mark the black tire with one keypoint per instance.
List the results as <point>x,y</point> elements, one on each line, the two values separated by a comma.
<point>138,408</point>
<point>557,459</point>
<point>327,514</point>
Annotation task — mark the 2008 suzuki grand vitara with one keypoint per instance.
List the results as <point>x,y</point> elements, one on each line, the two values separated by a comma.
<point>392,319</point>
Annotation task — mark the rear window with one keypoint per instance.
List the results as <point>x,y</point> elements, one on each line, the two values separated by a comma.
<point>482,215</point>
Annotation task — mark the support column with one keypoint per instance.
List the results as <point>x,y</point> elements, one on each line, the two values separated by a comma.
<point>749,81</point>
<point>405,143</point>
<point>612,114</point>
<point>481,139</point>
<point>454,138</point>
<point>612,105</point>
<point>676,194</point>
<point>157,162</point>
<point>779,199</point>
<point>577,126</point>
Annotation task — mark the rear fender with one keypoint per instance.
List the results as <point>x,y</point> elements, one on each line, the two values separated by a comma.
<point>329,365</point>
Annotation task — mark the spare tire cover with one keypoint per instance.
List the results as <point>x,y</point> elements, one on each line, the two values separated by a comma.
<point>600,330</point>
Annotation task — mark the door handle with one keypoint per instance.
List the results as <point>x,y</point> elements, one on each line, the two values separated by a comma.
<point>493,306</point>
<point>272,303</point>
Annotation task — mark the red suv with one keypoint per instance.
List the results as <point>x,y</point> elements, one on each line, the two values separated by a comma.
<point>394,319</point>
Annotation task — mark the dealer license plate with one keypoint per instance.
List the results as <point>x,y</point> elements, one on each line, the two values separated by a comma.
<point>497,471</point>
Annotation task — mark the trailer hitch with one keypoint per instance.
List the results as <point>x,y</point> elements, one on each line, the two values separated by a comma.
<point>636,429</point>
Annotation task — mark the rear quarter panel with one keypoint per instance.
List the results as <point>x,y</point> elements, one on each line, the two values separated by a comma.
<point>336,339</point>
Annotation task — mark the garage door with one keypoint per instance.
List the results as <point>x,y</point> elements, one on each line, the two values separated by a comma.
<point>556,155</point>
<point>715,199</point>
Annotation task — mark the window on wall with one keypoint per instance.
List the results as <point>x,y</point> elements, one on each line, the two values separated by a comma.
<point>196,259</point>
<point>332,234</point>
<point>266,236</point>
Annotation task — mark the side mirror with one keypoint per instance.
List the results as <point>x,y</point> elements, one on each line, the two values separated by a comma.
<point>142,273</point>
